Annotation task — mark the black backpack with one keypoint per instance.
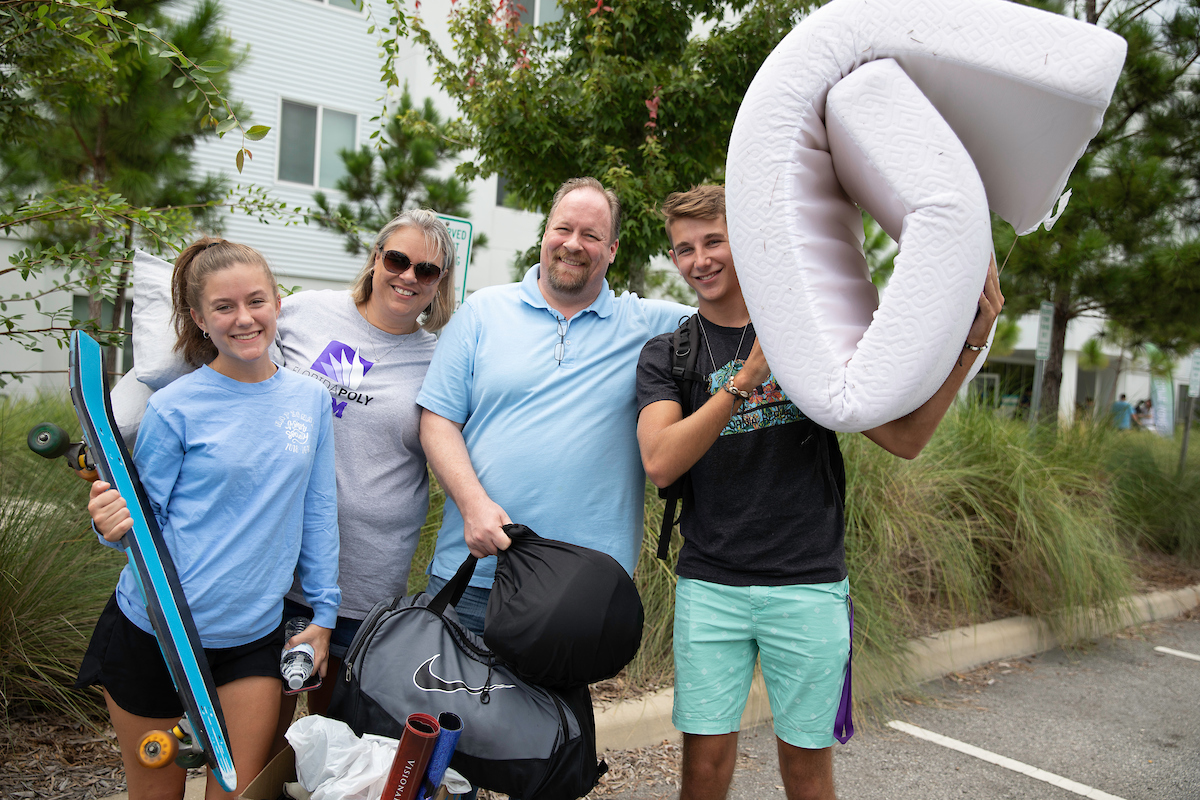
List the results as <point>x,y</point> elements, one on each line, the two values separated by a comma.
<point>684,356</point>
<point>559,614</point>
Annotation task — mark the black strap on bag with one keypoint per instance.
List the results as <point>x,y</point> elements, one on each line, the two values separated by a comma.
<point>684,355</point>
<point>453,591</point>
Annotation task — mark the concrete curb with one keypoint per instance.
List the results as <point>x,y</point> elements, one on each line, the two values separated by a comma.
<point>647,721</point>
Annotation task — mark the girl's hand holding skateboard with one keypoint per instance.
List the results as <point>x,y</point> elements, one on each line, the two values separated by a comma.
<point>109,513</point>
<point>318,637</point>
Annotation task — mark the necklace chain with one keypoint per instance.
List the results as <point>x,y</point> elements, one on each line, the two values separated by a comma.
<point>375,359</point>
<point>736,353</point>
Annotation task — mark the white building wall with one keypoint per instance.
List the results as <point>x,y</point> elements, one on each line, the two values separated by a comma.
<point>1133,381</point>
<point>45,371</point>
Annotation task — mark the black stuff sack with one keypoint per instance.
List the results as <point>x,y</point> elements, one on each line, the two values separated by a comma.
<point>559,614</point>
<point>413,655</point>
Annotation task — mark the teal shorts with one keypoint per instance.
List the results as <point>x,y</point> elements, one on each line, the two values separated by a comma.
<point>801,634</point>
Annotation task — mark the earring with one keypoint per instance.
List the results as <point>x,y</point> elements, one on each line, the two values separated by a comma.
<point>205,334</point>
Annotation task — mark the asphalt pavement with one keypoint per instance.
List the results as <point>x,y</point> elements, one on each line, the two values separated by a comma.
<point>1112,719</point>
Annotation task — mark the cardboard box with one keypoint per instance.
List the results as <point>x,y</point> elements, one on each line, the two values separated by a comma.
<point>268,784</point>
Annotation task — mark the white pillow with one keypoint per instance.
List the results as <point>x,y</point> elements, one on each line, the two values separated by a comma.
<point>154,356</point>
<point>129,398</point>
<point>979,90</point>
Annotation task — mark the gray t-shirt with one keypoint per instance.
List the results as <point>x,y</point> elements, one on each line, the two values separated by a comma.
<point>382,484</point>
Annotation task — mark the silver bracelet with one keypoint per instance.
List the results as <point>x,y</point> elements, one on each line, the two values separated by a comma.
<point>976,348</point>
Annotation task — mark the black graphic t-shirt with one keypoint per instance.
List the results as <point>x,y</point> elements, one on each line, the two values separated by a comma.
<point>766,501</point>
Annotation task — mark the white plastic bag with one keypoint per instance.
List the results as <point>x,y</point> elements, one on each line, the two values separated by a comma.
<point>334,764</point>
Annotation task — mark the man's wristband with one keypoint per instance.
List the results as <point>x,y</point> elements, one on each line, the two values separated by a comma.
<point>733,390</point>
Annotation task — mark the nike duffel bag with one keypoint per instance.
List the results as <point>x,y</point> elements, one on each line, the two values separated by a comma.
<point>413,655</point>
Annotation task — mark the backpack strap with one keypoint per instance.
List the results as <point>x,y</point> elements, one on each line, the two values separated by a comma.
<point>452,592</point>
<point>684,355</point>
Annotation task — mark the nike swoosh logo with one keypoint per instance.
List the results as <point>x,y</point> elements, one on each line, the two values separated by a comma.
<point>425,679</point>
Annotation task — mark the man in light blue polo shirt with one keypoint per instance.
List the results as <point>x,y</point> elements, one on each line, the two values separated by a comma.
<point>530,402</point>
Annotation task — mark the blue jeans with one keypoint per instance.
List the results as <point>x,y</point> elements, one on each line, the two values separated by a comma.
<point>471,609</point>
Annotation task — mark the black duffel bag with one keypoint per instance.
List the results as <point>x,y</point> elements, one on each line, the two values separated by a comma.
<point>559,614</point>
<point>412,654</point>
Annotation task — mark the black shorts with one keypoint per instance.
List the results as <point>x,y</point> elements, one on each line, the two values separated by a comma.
<point>127,662</point>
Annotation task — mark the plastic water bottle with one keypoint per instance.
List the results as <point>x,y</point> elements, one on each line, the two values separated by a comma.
<point>297,663</point>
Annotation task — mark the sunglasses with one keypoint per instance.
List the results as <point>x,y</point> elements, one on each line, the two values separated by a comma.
<point>398,263</point>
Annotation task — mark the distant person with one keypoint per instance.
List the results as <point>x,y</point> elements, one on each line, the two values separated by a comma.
<point>762,572</point>
<point>1143,414</point>
<point>1122,414</point>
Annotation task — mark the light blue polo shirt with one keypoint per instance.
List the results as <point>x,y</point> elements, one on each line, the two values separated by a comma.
<point>549,419</point>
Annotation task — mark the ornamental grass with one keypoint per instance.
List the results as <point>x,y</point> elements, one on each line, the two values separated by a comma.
<point>54,576</point>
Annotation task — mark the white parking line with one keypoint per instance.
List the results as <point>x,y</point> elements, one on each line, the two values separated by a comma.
<point>1002,761</point>
<point>1179,653</point>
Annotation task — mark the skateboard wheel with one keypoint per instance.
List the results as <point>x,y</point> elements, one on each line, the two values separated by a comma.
<point>191,759</point>
<point>48,440</point>
<point>157,749</point>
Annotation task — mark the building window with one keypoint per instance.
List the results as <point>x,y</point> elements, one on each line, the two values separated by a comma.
<point>349,5</point>
<point>535,12</point>
<point>311,139</point>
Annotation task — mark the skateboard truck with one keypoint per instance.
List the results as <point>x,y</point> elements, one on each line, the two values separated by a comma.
<point>160,748</point>
<point>50,441</point>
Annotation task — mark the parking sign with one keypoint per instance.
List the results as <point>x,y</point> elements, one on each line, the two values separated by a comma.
<point>460,232</point>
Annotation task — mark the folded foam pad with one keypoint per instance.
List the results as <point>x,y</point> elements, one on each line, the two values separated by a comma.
<point>926,113</point>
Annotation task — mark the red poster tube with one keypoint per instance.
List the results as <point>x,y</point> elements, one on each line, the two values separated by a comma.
<point>412,756</point>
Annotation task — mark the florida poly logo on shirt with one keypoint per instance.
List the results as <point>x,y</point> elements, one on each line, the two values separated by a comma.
<point>341,363</point>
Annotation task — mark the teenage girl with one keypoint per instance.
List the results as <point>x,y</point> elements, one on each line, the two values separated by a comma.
<point>237,461</point>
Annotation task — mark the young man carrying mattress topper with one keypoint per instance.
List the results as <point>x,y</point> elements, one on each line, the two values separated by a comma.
<point>762,572</point>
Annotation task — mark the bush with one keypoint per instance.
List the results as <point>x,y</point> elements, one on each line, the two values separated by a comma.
<point>54,576</point>
<point>1155,504</point>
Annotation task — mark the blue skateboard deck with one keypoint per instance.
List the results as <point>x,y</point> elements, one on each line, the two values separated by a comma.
<point>152,564</point>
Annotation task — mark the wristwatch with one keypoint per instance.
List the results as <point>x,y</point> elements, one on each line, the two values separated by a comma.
<point>733,390</point>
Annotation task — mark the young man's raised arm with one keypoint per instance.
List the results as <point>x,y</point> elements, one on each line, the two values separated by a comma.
<point>906,437</point>
<point>671,443</point>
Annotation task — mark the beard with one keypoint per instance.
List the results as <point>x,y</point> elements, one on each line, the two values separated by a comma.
<point>567,281</point>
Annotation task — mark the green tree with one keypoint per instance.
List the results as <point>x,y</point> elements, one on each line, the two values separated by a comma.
<point>622,92</point>
<point>399,173</point>
<point>99,107</point>
<point>132,135</point>
<point>1127,245</point>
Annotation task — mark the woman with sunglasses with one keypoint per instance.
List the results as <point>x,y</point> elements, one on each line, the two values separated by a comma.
<point>370,346</point>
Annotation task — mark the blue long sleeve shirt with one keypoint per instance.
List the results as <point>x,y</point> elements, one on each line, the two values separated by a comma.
<point>241,479</point>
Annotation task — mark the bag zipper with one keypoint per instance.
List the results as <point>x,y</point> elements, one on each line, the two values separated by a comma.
<point>365,633</point>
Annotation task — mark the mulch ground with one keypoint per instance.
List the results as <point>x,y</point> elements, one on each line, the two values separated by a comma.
<point>44,757</point>
<point>57,758</point>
